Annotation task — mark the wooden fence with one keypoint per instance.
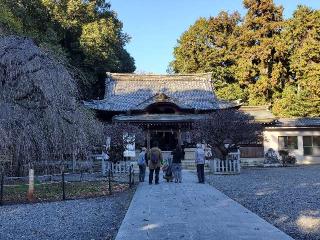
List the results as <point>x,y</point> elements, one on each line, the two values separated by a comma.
<point>252,152</point>
<point>119,167</point>
<point>229,166</point>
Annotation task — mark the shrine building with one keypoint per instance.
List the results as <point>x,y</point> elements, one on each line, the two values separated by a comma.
<point>164,105</point>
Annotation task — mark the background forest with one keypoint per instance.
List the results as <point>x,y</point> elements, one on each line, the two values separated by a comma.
<point>259,58</point>
<point>86,35</point>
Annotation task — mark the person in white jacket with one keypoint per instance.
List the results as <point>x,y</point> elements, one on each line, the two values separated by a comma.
<point>200,161</point>
<point>142,164</point>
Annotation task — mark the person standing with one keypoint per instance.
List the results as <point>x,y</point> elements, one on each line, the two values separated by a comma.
<point>155,158</point>
<point>167,169</point>
<point>177,156</point>
<point>200,161</point>
<point>142,164</point>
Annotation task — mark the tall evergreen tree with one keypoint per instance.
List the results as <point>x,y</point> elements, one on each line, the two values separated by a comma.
<point>262,59</point>
<point>93,33</point>
<point>301,95</point>
<point>259,64</point>
<point>205,47</point>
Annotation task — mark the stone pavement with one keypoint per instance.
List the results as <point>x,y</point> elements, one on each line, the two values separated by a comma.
<point>191,211</point>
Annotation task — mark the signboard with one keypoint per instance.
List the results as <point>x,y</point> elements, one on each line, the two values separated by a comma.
<point>108,141</point>
<point>130,146</point>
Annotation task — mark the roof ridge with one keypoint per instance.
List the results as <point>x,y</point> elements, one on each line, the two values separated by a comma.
<point>156,74</point>
<point>298,118</point>
<point>142,77</point>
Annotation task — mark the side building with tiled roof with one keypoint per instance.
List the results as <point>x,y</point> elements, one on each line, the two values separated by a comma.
<point>299,136</point>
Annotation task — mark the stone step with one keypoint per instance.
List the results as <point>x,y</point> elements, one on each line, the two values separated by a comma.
<point>186,164</point>
<point>190,164</point>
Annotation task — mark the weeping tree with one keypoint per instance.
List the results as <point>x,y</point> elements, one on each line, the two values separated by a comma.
<point>40,116</point>
<point>121,136</point>
<point>225,130</point>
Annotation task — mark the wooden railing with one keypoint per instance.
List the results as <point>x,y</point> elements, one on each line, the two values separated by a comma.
<point>115,168</point>
<point>119,167</point>
<point>229,166</point>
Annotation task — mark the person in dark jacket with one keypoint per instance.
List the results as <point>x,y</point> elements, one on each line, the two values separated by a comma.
<point>154,162</point>
<point>177,156</point>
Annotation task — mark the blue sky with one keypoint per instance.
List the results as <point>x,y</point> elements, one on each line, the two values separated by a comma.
<point>155,25</point>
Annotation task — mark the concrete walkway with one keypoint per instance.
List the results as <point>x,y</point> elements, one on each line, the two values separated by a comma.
<point>191,211</point>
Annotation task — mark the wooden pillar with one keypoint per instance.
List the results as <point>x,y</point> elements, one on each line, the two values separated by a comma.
<point>148,138</point>
<point>179,136</point>
<point>31,185</point>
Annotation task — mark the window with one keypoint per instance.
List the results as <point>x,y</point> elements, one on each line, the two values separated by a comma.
<point>288,142</point>
<point>311,145</point>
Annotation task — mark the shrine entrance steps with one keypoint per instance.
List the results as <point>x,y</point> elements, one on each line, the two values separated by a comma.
<point>186,165</point>
<point>191,165</point>
<point>191,211</point>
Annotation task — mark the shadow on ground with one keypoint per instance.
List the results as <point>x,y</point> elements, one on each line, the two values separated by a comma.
<point>289,198</point>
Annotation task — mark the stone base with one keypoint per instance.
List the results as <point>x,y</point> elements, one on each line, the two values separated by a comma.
<point>251,162</point>
<point>189,153</point>
<point>272,165</point>
<point>191,165</point>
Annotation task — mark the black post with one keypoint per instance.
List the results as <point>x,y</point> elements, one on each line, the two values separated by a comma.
<point>1,188</point>
<point>130,181</point>
<point>132,176</point>
<point>109,182</point>
<point>63,186</point>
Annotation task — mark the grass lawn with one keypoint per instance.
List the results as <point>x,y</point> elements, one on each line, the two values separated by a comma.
<point>53,191</point>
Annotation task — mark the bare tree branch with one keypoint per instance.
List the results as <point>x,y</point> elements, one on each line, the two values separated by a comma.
<point>40,117</point>
<point>226,129</point>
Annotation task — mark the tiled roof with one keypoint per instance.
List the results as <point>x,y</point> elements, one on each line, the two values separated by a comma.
<point>298,122</point>
<point>260,113</point>
<point>126,92</point>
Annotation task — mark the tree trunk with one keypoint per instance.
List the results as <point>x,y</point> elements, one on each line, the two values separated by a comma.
<point>223,151</point>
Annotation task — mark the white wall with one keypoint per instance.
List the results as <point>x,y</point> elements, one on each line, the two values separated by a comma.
<point>271,141</point>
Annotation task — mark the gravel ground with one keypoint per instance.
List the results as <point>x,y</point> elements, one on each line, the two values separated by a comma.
<point>288,198</point>
<point>96,218</point>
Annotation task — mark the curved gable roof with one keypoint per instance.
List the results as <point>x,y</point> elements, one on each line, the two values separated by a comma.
<point>136,91</point>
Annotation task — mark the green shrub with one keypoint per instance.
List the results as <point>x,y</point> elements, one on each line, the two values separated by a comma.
<point>8,22</point>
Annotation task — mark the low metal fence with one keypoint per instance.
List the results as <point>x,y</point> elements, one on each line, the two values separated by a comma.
<point>66,184</point>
